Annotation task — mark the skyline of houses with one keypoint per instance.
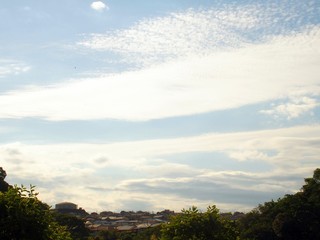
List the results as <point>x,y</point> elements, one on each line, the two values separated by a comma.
<point>116,221</point>
<point>124,221</point>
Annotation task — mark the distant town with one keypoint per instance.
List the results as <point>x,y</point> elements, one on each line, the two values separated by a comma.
<point>124,221</point>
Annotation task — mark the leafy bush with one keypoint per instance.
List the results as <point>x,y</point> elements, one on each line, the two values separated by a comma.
<point>24,216</point>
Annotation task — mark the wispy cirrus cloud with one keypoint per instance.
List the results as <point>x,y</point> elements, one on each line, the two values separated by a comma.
<point>12,67</point>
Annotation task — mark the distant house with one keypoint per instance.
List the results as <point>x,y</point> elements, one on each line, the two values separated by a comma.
<point>66,206</point>
<point>126,228</point>
<point>70,208</point>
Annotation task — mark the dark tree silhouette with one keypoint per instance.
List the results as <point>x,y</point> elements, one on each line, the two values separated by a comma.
<point>4,186</point>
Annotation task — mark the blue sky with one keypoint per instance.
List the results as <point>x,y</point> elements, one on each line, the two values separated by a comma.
<point>140,105</point>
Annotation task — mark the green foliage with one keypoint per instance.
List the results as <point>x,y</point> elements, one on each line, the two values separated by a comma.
<point>108,235</point>
<point>292,217</point>
<point>148,234</point>
<point>255,226</point>
<point>23,216</point>
<point>192,224</point>
<point>152,233</point>
<point>74,225</point>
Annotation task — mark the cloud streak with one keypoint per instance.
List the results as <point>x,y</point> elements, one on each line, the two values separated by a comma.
<point>11,67</point>
<point>284,66</point>
<point>144,172</point>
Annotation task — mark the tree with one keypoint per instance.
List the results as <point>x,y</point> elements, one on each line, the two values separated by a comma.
<point>24,216</point>
<point>74,225</point>
<point>299,214</point>
<point>192,224</point>
<point>152,233</point>
<point>4,186</point>
<point>255,225</point>
<point>3,174</point>
<point>295,216</point>
<point>108,235</point>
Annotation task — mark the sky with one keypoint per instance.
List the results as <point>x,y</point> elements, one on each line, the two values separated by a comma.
<point>152,105</point>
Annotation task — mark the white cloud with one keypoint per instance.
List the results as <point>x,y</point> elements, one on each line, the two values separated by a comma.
<point>136,165</point>
<point>189,85</point>
<point>99,6</point>
<point>179,34</point>
<point>132,154</point>
<point>199,31</point>
<point>295,107</point>
<point>101,160</point>
<point>11,67</point>
<point>162,168</point>
<point>249,155</point>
